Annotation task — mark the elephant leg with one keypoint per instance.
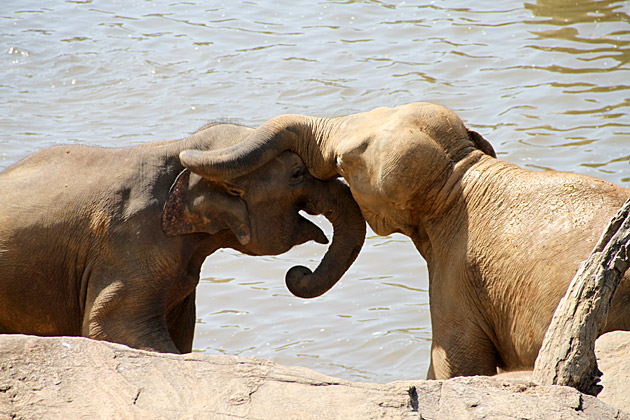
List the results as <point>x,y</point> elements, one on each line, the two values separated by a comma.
<point>142,332</point>
<point>127,313</point>
<point>461,349</point>
<point>181,323</point>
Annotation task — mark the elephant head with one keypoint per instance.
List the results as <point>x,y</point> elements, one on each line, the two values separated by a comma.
<point>395,160</point>
<point>262,209</point>
<point>323,142</point>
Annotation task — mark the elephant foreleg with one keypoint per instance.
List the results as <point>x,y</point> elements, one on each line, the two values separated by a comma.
<point>146,333</point>
<point>462,349</point>
<point>181,323</point>
<point>127,313</point>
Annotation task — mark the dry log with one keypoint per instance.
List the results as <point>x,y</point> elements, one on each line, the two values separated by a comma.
<point>567,355</point>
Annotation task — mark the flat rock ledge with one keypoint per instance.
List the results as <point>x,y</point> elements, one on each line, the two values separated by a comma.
<point>78,378</point>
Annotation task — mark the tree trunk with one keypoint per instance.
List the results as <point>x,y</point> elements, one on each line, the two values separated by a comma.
<point>567,355</point>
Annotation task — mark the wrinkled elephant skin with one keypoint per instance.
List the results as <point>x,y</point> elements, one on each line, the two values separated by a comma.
<point>501,243</point>
<point>108,243</point>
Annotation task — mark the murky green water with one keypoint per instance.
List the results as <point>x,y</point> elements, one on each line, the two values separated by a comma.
<point>547,82</point>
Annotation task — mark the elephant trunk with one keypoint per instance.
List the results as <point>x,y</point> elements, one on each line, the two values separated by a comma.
<point>306,136</point>
<point>310,138</point>
<point>338,206</point>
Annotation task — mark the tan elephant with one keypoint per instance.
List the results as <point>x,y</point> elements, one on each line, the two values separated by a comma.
<point>501,243</point>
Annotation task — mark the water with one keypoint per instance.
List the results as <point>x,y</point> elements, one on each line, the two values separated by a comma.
<point>547,82</point>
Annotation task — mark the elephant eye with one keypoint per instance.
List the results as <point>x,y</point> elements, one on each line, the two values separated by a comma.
<point>233,190</point>
<point>297,175</point>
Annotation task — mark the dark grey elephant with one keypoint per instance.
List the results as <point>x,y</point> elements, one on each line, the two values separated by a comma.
<point>108,242</point>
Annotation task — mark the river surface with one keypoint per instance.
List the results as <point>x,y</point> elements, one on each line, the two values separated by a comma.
<point>546,82</point>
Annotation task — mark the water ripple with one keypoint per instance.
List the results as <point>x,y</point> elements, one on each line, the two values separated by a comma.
<point>545,81</point>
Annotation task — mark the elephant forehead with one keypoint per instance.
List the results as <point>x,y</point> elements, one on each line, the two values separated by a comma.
<point>392,174</point>
<point>392,164</point>
<point>436,121</point>
<point>272,171</point>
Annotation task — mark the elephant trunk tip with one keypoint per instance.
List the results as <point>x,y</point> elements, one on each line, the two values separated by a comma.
<point>299,282</point>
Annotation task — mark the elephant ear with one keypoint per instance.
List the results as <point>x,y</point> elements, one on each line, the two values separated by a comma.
<point>196,205</point>
<point>481,143</point>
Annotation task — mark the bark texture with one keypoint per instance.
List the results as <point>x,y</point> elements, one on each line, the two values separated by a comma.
<point>567,354</point>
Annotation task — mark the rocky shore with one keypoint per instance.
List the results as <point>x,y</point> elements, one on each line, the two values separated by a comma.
<point>78,378</point>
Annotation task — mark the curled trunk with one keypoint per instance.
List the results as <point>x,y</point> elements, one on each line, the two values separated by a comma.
<point>338,206</point>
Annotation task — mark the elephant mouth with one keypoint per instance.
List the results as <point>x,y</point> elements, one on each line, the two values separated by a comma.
<point>300,231</point>
<point>313,232</point>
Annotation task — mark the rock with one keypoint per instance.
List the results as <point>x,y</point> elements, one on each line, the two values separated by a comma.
<point>613,359</point>
<point>74,377</point>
